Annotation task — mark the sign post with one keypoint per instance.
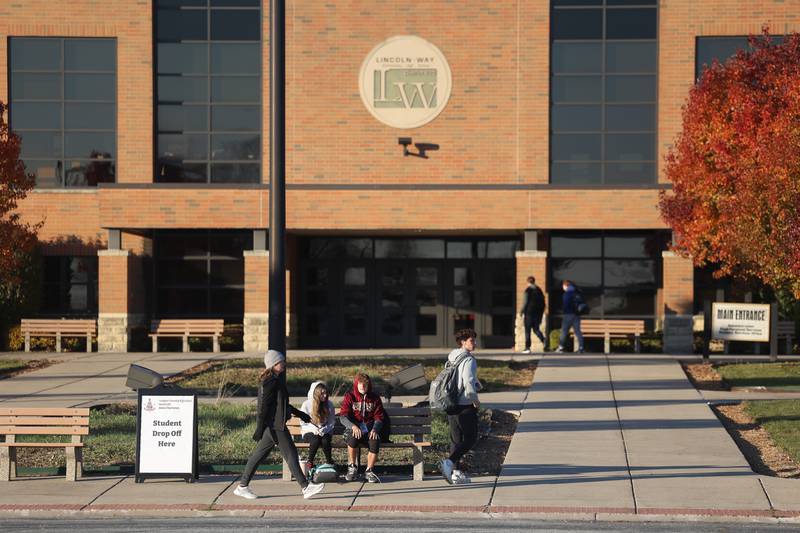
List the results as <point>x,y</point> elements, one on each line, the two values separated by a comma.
<point>166,434</point>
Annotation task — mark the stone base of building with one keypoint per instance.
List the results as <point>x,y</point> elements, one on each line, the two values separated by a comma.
<point>519,335</point>
<point>114,331</point>
<point>256,332</point>
<point>678,334</point>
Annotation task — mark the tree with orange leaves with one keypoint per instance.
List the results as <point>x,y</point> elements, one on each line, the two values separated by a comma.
<point>735,167</point>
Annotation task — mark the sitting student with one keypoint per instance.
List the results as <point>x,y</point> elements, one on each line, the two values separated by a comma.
<point>363,417</point>
<point>323,418</point>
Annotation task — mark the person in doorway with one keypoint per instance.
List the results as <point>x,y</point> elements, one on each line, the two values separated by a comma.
<point>464,421</point>
<point>319,431</point>
<point>532,311</point>
<point>571,318</point>
<point>363,417</point>
<point>273,412</point>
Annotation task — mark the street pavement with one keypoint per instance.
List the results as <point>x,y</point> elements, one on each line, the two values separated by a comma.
<point>619,437</point>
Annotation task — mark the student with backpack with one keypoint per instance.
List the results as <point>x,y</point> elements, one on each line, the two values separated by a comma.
<point>272,413</point>
<point>319,431</point>
<point>572,308</point>
<point>463,415</point>
<point>363,417</point>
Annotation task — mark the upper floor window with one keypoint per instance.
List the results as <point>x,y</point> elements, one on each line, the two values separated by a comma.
<point>722,49</point>
<point>208,91</point>
<point>64,107</point>
<point>603,91</point>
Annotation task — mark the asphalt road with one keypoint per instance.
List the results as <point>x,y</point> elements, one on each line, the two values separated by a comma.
<point>368,524</point>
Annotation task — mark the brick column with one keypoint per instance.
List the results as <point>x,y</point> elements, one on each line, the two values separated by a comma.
<point>678,297</point>
<point>256,300</point>
<point>114,318</point>
<point>530,263</point>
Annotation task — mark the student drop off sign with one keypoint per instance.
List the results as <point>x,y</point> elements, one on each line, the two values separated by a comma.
<point>740,322</point>
<point>166,434</point>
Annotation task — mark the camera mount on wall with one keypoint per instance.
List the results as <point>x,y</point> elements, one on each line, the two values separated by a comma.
<point>421,147</point>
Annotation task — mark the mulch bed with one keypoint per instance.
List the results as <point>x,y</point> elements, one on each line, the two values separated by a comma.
<point>36,364</point>
<point>703,376</point>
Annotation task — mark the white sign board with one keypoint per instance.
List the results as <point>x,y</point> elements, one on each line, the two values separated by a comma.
<point>740,322</point>
<point>166,434</point>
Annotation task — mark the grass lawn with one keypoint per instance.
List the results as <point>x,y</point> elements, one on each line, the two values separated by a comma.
<point>225,437</point>
<point>778,376</point>
<point>781,419</point>
<point>239,377</point>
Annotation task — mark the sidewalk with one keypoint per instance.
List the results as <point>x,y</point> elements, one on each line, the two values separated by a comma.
<point>600,438</point>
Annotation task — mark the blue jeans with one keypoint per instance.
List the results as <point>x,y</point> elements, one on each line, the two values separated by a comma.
<point>573,321</point>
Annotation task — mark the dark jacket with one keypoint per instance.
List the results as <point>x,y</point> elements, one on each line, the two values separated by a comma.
<point>533,302</point>
<point>357,408</point>
<point>273,406</point>
<point>570,301</point>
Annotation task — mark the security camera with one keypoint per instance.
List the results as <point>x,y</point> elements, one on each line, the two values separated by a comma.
<point>405,141</point>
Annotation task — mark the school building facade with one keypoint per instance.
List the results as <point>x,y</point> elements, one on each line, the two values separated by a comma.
<point>438,154</point>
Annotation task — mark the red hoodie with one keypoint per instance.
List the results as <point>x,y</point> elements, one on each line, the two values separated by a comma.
<point>357,408</point>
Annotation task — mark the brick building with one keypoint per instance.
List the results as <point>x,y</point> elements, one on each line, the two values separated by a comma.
<point>146,124</point>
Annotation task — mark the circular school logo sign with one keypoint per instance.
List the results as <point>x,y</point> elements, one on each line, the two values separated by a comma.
<point>405,82</point>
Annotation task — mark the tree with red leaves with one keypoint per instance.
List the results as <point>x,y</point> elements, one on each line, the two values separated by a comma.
<point>735,167</point>
<point>17,238</point>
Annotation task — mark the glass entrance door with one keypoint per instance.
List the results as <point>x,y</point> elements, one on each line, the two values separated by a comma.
<point>462,292</point>
<point>392,320</point>
<point>429,304</point>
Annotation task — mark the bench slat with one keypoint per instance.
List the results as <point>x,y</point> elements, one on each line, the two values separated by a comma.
<point>43,421</point>
<point>41,444</point>
<point>44,430</point>
<point>400,411</point>
<point>44,411</point>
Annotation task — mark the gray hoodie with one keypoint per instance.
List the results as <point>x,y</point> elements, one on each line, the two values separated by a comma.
<point>306,408</point>
<point>468,384</point>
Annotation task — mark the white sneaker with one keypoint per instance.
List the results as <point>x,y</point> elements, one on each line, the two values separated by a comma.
<point>312,489</point>
<point>446,467</point>
<point>560,350</point>
<point>460,478</point>
<point>245,492</point>
<point>526,351</point>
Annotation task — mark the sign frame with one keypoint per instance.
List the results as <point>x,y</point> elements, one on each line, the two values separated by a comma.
<point>733,307</point>
<point>189,477</point>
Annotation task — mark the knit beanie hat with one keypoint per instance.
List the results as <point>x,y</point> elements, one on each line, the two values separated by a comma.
<point>272,358</point>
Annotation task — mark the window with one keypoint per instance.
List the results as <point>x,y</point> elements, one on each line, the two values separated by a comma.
<point>603,91</point>
<point>722,49</point>
<point>200,273</point>
<point>617,272</point>
<point>70,285</point>
<point>399,248</point>
<point>64,108</point>
<point>208,91</point>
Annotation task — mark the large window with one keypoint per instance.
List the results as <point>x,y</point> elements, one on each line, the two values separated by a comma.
<point>200,273</point>
<point>70,285</point>
<point>603,91</point>
<point>64,107</point>
<point>617,272</point>
<point>208,91</point>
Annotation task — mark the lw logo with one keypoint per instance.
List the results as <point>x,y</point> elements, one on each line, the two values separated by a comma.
<point>405,88</point>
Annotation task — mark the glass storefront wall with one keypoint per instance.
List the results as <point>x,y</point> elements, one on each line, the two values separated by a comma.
<point>618,273</point>
<point>396,292</point>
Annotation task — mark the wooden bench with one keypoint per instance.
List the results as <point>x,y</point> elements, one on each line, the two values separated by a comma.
<point>413,422</point>
<point>186,328</point>
<point>786,331</point>
<point>612,329</point>
<point>42,421</point>
<point>59,327</point>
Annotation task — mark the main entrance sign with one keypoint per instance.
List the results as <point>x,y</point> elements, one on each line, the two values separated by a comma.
<point>405,82</point>
<point>740,322</point>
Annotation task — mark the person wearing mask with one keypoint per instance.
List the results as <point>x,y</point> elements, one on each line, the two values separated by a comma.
<point>272,413</point>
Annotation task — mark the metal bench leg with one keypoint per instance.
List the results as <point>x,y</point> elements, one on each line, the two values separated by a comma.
<point>185,343</point>
<point>419,465</point>
<point>27,342</point>
<point>58,342</point>
<point>287,474</point>
<point>637,344</point>
<point>216,343</point>
<point>606,343</point>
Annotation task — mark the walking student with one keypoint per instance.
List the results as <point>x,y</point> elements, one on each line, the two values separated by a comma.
<point>532,311</point>
<point>319,431</point>
<point>363,417</point>
<point>464,421</point>
<point>273,412</point>
<point>571,317</point>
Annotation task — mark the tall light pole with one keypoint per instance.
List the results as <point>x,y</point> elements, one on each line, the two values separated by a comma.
<point>277,178</point>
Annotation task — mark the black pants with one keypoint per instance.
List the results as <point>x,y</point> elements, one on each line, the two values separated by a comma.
<point>463,431</point>
<point>314,442</point>
<point>269,439</point>
<point>532,322</point>
<point>374,445</point>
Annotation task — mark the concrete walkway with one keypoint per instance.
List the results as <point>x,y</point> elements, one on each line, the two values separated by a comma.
<point>600,437</point>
